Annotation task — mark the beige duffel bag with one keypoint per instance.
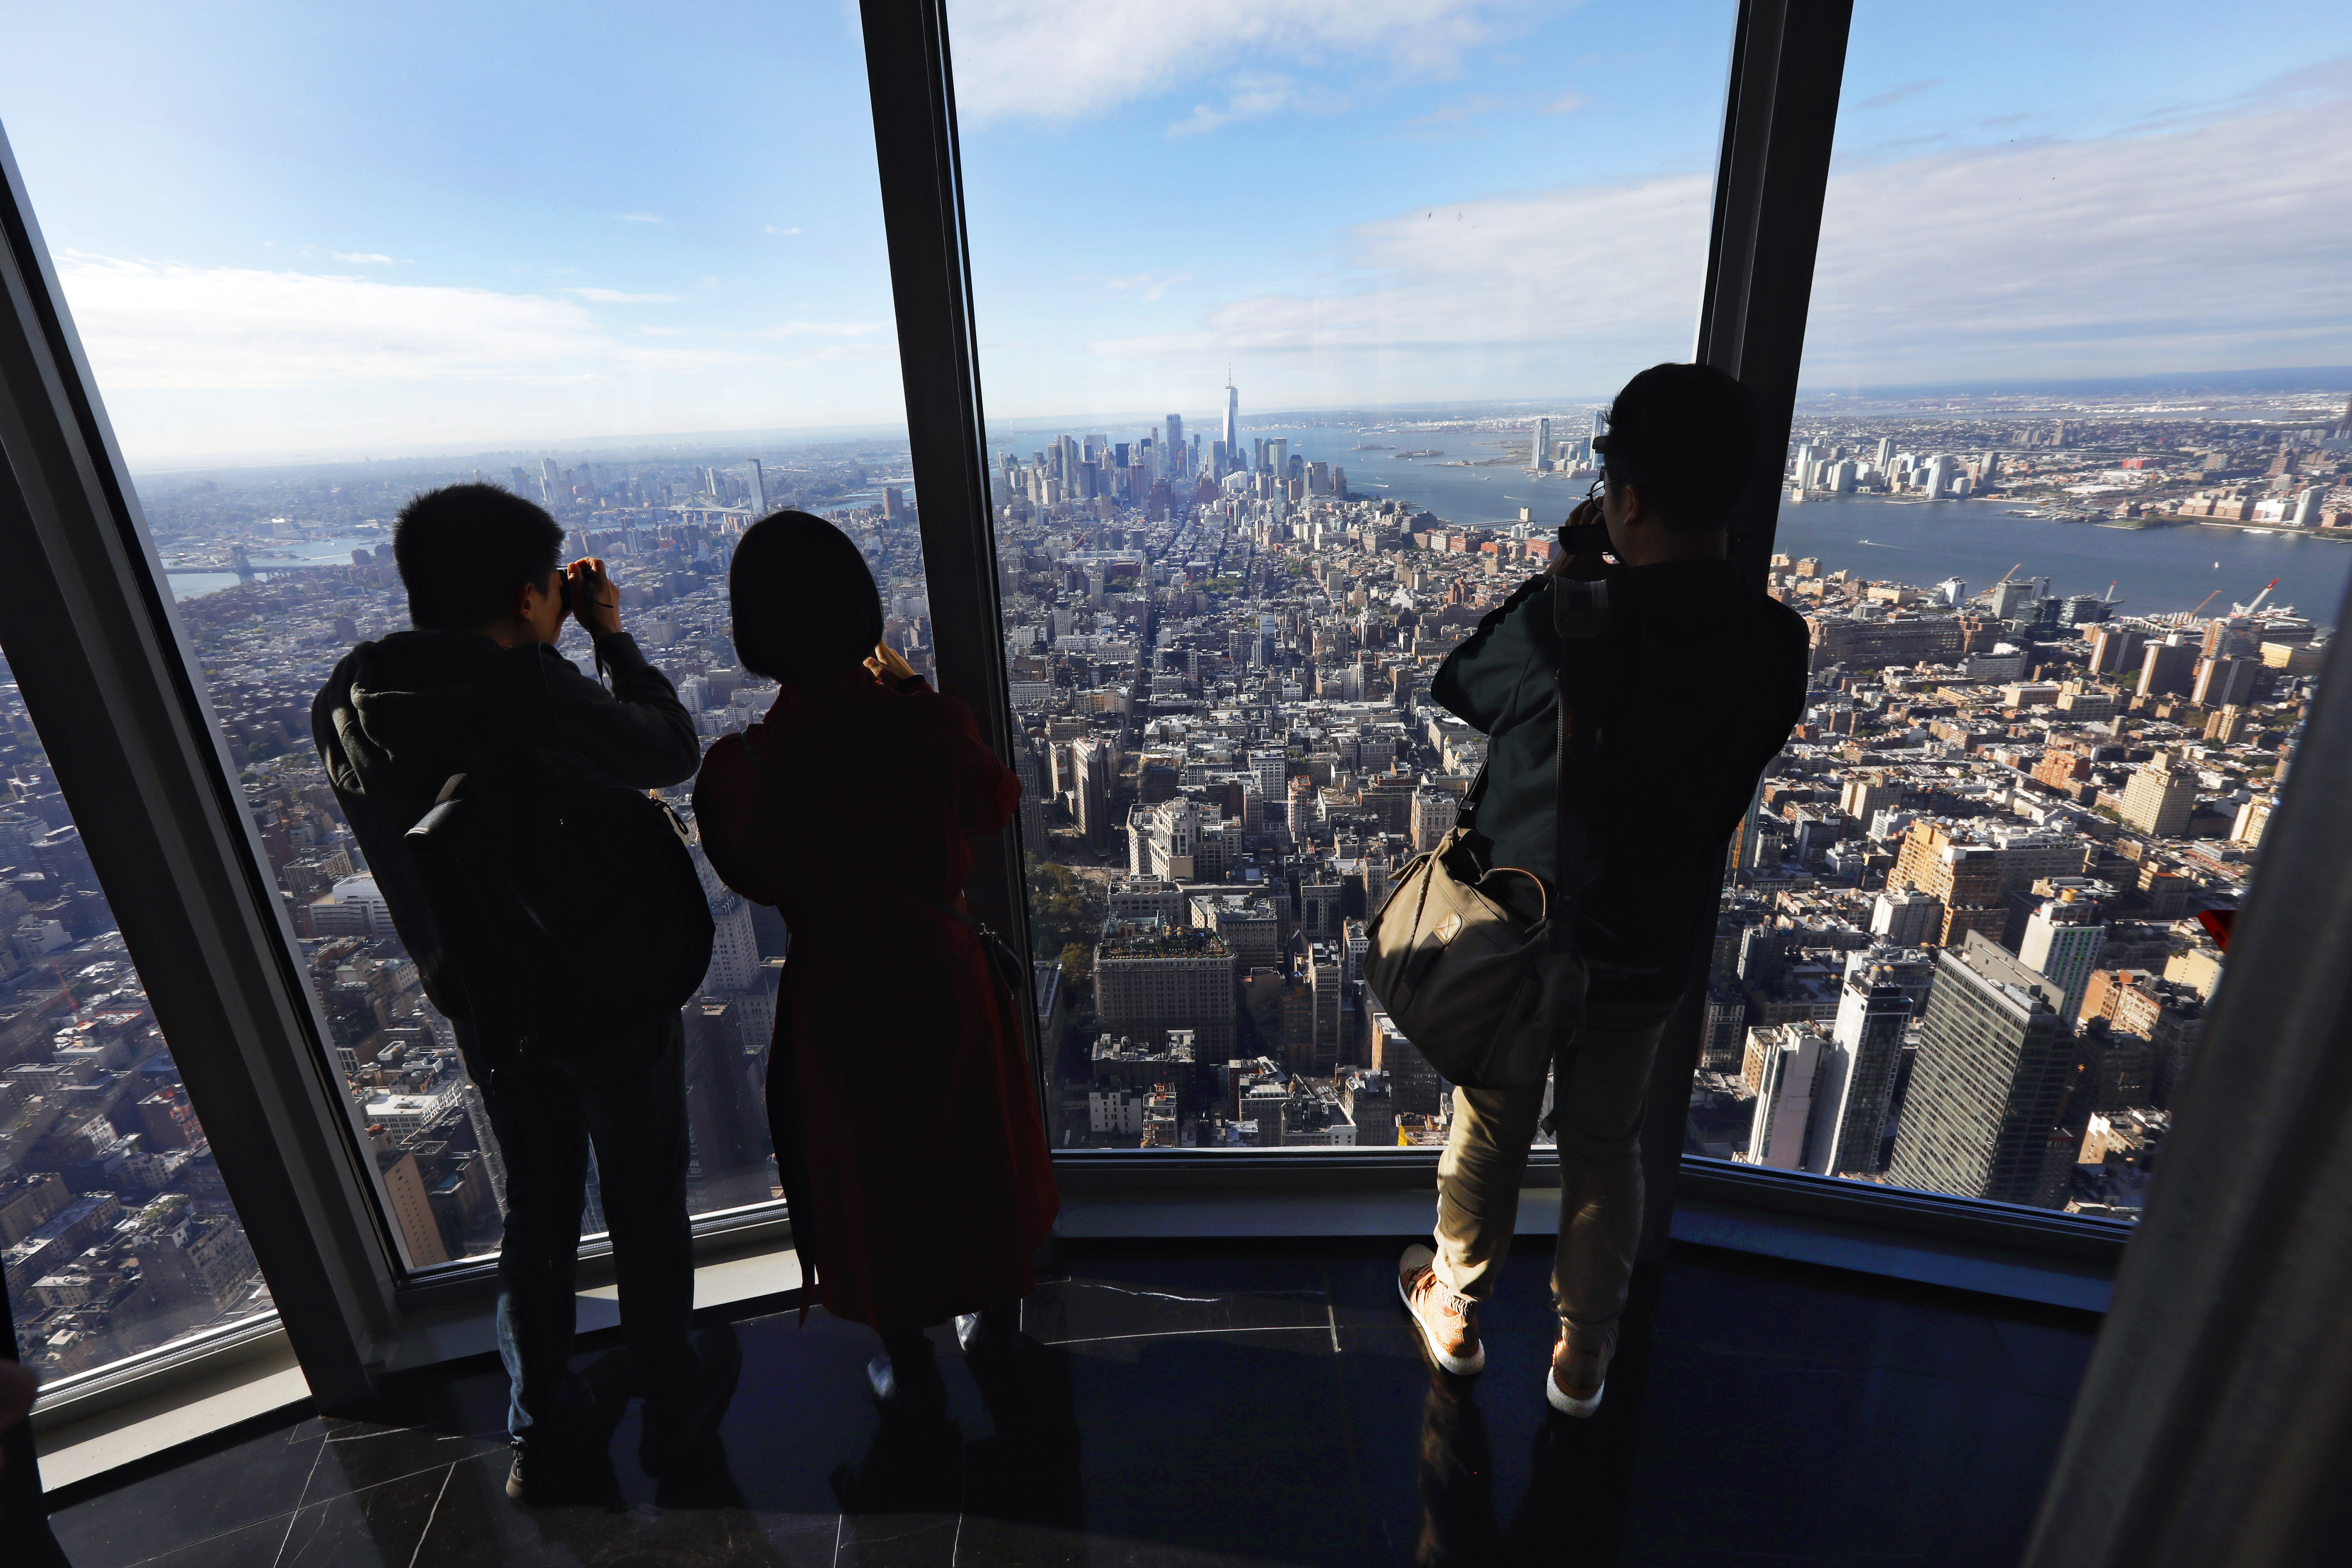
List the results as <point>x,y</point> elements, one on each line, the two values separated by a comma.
<point>1482,992</point>
<point>1485,993</point>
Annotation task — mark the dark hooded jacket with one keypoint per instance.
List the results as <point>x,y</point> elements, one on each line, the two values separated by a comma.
<point>399,716</point>
<point>1699,679</point>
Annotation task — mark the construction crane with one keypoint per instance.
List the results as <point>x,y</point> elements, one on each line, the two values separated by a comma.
<point>2250,609</point>
<point>1985,595</point>
<point>2200,606</point>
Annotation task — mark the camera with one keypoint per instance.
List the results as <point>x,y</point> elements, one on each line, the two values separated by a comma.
<point>1583,538</point>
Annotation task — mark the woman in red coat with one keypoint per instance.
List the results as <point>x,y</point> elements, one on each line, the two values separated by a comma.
<point>900,1101</point>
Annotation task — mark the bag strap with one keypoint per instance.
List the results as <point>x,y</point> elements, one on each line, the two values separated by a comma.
<point>1580,611</point>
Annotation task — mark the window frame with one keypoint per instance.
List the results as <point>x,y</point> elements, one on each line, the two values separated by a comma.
<point>142,763</point>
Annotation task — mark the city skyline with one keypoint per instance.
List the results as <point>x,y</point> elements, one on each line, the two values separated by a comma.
<point>237,296</point>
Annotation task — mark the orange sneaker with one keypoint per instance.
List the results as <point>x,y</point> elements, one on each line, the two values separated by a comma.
<point>1448,1323</point>
<point>1579,1368</point>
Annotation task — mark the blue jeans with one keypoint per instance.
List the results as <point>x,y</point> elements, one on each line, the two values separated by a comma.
<point>548,1110</point>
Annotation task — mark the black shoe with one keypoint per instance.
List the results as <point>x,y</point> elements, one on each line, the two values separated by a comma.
<point>906,1378</point>
<point>549,1471</point>
<point>677,1420</point>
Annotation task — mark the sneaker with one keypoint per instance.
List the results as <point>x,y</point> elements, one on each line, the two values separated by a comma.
<point>550,1471</point>
<point>1579,1368</point>
<point>527,1476</point>
<point>676,1420</point>
<point>1448,1323</point>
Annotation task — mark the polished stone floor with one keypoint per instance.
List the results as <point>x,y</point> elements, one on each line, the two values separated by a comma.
<point>1221,1405</point>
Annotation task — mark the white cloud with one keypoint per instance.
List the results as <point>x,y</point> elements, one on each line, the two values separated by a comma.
<point>2222,245</point>
<point>1894,95</point>
<point>158,324</point>
<point>1146,285</point>
<point>1063,59</point>
<point>2218,245</point>
<point>1476,107</point>
<point>364,258</point>
<point>774,230</point>
<point>818,330</point>
<point>1254,97</point>
<point>1567,103</point>
<point>618,297</point>
<point>642,217</point>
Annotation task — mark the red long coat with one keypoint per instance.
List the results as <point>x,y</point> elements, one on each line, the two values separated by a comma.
<point>898,1094</point>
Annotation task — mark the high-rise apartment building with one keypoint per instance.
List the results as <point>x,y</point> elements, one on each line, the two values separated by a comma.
<point>1433,811</point>
<point>1874,1008</point>
<point>1148,983</point>
<point>2061,942</point>
<point>2221,682</point>
<point>2116,650</point>
<point>1182,840</point>
<point>2168,668</point>
<point>1792,1061</point>
<point>1094,760</point>
<point>1907,916</point>
<point>2159,797</point>
<point>1323,968</point>
<point>1172,449</point>
<point>1994,1063</point>
<point>1539,445</point>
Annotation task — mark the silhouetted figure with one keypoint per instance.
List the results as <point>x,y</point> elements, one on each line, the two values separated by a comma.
<point>1697,679</point>
<point>480,689</point>
<point>906,1126</point>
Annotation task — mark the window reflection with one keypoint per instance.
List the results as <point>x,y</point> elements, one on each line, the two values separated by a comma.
<point>1265,446</point>
<point>659,324</point>
<point>116,1234</point>
<point>2061,546</point>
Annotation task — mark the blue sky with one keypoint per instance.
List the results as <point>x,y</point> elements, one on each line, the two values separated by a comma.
<point>307,230</point>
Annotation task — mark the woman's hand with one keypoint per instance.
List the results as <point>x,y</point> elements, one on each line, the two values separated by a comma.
<point>888,665</point>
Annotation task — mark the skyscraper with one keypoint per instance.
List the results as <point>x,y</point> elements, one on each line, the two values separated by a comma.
<point>550,482</point>
<point>1172,462</point>
<point>2062,939</point>
<point>1232,419</point>
<point>2159,797</point>
<point>1786,1130</point>
<point>1539,448</point>
<point>757,480</point>
<point>1874,1010</point>
<point>1994,1061</point>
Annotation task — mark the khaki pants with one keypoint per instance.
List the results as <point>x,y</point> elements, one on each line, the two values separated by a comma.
<point>1603,1075</point>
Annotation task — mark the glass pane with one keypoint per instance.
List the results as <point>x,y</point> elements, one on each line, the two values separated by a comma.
<point>1292,339</point>
<point>117,1233</point>
<point>2058,525</point>
<point>320,266</point>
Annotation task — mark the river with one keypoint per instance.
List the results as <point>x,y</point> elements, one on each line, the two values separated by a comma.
<point>2155,569</point>
<point>267,554</point>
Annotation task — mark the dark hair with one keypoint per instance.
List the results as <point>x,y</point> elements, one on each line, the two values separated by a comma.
<point>1686,435</point>
<point>806,605</point>
<point>464,550</point>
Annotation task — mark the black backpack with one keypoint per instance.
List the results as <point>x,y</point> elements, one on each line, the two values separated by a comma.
<point>569,909</point>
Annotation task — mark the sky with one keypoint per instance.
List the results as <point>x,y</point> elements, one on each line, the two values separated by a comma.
<point>300,230</point>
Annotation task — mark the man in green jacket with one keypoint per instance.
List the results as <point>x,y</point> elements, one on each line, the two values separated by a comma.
<point>1697,678</point>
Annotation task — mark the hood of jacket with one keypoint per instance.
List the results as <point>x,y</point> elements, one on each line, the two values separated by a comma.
<point>399,715</point>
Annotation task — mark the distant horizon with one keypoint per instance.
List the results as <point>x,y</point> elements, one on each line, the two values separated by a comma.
<point>2282,381</point>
